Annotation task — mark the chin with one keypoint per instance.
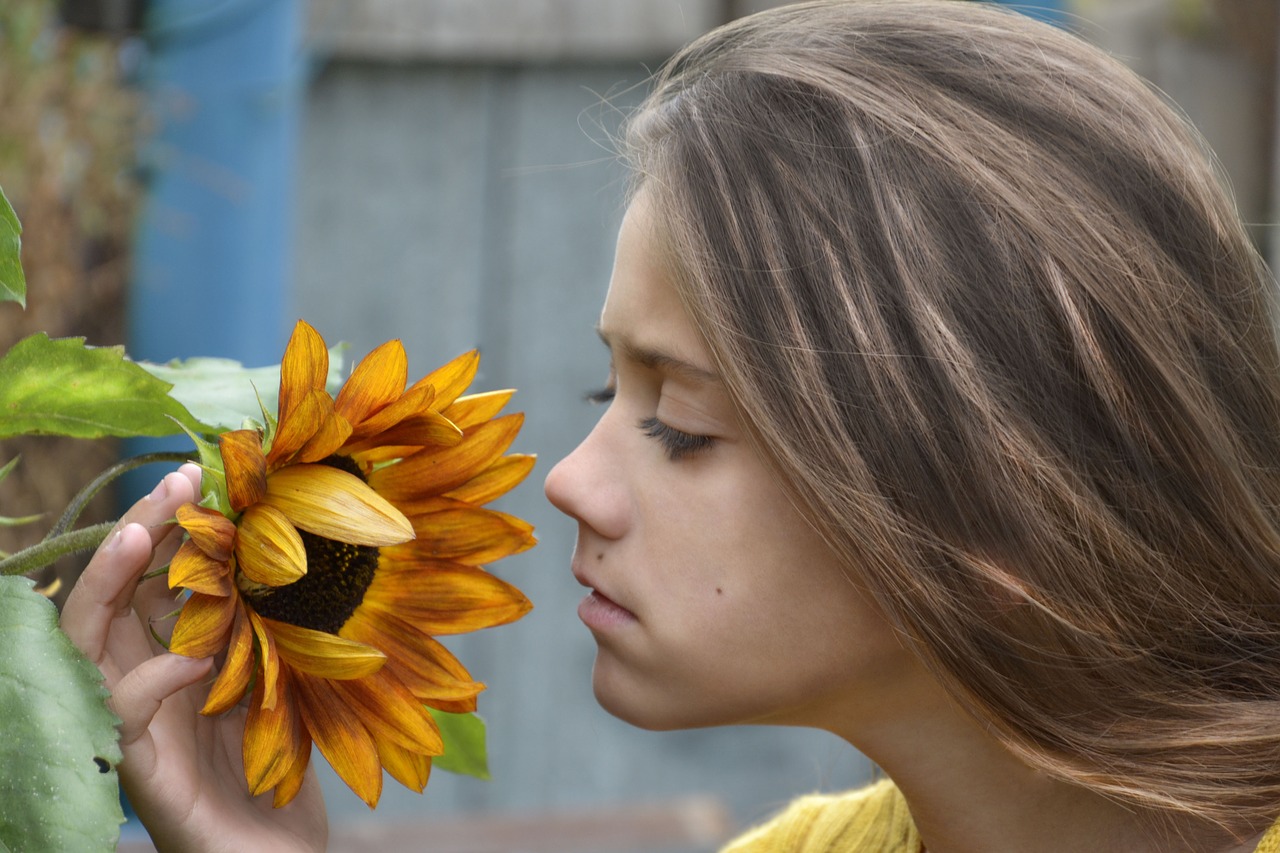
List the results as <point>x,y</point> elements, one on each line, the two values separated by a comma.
<point>654,709</point>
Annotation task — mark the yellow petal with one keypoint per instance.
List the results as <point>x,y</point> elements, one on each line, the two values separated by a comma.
<point>245,466</point>
<point>377,381</point>
<point>410,769</point>
<point>203,625</point>
<point>389,711</point>
<point>427,668</point>
<point>336,505</point>
<point>444,598</point>
<point>268,548</point>
<point>195,570</point>
<point>452,379</point>
<point>475,409</point>
<point>434,472</point>
<point>273,737</point>
<point>305,367</point>
<point>212,532</point>
<point>468,535</point>
<point>423,429</point>
<point>502,476</point>
<point>414,400</point>
<point>233,680</point>
<point>270,667</point>
<point>321,654</point>
<point>342,739</point>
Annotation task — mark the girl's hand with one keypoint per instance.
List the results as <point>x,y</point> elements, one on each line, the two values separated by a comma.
<point>182,772</point>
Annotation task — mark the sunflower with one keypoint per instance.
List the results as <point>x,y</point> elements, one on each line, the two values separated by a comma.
<point>344,536</point>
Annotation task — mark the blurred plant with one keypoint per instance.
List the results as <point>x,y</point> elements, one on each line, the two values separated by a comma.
<point>67,130</point>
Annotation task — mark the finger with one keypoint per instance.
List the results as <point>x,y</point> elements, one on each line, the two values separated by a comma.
<point>107,585</point>
<point>138,695</point>
<point>104,590</point>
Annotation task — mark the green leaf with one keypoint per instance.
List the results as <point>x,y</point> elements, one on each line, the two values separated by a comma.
<point>62,387</point>
<point>225,393</point>
<point>13,284</point>
<point>57,733</point>
<point>464,748</point>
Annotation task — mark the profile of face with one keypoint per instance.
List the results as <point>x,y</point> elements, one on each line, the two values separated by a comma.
<point>712,600</point>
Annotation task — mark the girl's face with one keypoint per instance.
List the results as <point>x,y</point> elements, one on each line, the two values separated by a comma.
<point>712,600</point>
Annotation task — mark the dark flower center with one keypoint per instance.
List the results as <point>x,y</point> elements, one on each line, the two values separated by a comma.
<point>338,574</point>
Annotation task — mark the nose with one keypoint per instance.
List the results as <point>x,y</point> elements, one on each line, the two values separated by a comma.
<point>589,485</point>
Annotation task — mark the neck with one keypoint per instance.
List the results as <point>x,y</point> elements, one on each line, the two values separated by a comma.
<point>968,793</point>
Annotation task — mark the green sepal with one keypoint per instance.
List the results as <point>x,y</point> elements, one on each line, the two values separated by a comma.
<point>58,784</point>
<point>464,744</point>
<point>59,386</point>
<point>13,283</point>
<point>213,479</point>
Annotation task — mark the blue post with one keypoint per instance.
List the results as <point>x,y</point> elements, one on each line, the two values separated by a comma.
<point>223,81</point>
<point>224,85</point>
<point>1052,11</point>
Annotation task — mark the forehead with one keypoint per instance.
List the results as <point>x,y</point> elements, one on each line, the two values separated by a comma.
<point>642,306</point>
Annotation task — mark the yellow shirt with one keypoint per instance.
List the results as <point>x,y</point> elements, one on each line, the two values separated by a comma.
<point>874,819</point>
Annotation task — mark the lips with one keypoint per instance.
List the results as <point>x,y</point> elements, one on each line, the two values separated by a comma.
<point>600,613</point>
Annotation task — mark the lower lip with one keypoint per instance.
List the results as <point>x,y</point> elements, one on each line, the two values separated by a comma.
<point>598,612</point>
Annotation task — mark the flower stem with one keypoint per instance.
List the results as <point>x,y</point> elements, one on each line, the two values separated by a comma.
<point>60,541</point>
<point>42,554</point>
<point>81,500</point>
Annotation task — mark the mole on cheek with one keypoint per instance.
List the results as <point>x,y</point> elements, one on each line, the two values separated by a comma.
<point>600,556</point>
<point>719,591</point>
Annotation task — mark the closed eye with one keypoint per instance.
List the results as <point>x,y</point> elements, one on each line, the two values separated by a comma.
<point>678,444</point>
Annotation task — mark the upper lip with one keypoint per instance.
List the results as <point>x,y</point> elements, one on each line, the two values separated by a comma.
<point>580,575</point>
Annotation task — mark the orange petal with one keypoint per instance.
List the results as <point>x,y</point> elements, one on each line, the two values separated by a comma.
<point>336,505</point>
<point>468,535</point>
<point>270,674</point>
<point>289,786</point>
<point>273,737</point>
<point>333,433</point>
<point>390,712</point>
<point>426,667</point>
<point>268,549</point>
<point>203,625</point>
<point>321,654</point>
<point>410,769</point>
<point>495,481</point>
<point>305,367</point>
<point>195,570</point>
<point>423,429</point>
<point>377,381</point>
<point>444,598</point>
<point>451,379</point>
<point>245,466</point>
<point>475,409</point>
<point>312,411</point>
<point>434,472</point>
<point>342,739</point>
<point>233,680</point>
<point>212,532</point>
<point>414,400</point>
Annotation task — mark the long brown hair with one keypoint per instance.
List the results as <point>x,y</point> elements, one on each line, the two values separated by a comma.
<point>984,304</point>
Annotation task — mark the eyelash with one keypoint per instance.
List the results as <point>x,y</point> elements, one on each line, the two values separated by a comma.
<point>678,444</point>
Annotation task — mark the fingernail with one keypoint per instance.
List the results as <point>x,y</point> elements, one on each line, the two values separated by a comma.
<point>159,492</point>
<point>114,541</point>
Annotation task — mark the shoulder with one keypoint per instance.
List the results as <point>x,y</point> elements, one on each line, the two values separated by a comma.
<point>874,818</point>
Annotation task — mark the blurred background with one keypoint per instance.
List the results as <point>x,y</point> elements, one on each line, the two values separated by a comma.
<point>194,175</point>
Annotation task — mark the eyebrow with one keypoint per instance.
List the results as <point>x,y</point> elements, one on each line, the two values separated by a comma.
<point>655,359</point>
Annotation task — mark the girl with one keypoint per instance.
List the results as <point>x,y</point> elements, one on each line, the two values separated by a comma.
<point>944,415</point>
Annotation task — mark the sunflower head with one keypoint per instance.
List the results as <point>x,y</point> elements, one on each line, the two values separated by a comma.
<point>333,545</point>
